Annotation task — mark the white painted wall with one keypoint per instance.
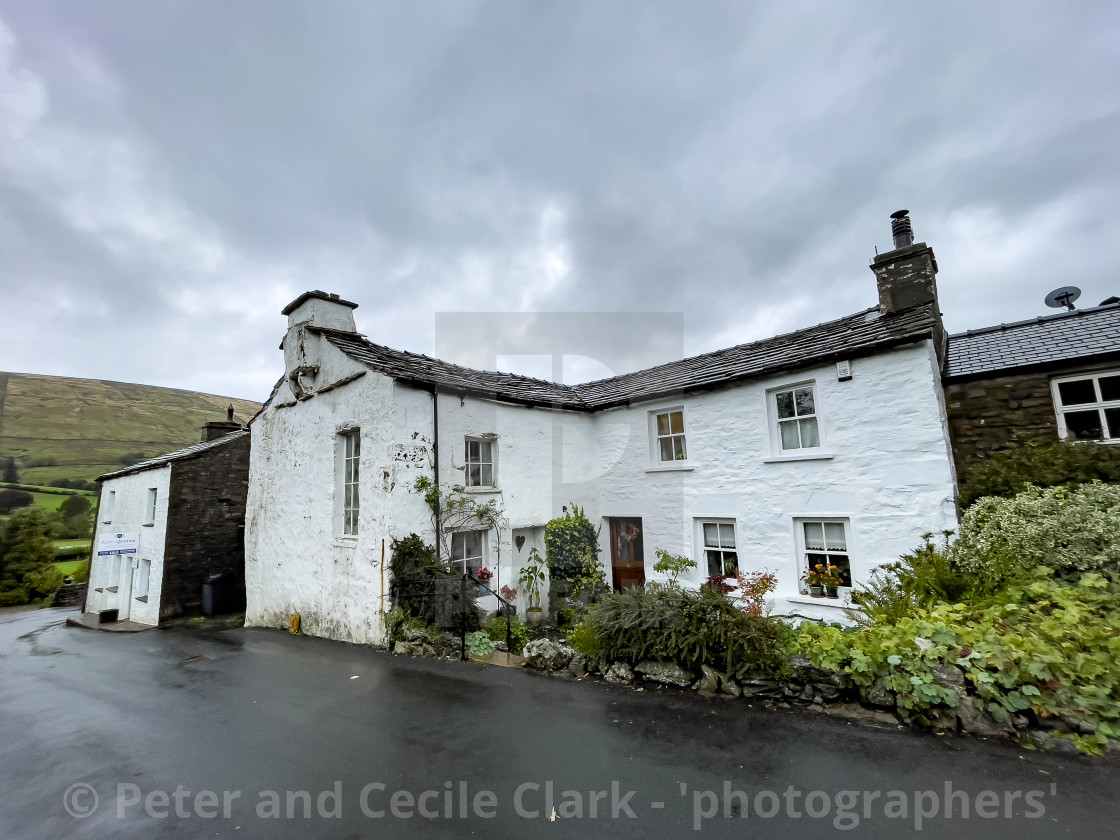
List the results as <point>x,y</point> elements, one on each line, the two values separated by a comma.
<point>890,472</point>
<point>128,516</point>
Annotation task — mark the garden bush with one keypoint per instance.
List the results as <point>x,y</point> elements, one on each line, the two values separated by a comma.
<point>1071,531</point>
<point>419,577</point>
<point>1009,472</point>
<point>568,541</point>
<point>691,628</point>
<point>919,578</point>
<point>13,500</point>
<point>1045,647</point>
<point>27,571</point>
<point>518,634</point>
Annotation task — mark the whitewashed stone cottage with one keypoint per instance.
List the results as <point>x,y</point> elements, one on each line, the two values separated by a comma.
<point>830,441</point>
<point>166,526</point>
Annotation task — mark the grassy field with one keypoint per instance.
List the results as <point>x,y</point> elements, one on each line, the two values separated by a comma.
<point>72,567</point>
<point>57,427</point>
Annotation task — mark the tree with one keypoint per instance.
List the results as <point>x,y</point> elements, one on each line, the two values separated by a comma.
<point>11,474</point>
<point>12,499</point>
<point>27,570</point>
<point>75,505</point>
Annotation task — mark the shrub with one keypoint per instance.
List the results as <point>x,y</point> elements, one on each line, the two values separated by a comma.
<point>14,499</point>
<point>421,581</point>
<point>918,578</point>
<point>1009,472</point>
<point>568,539</point>
<point>27,571</point>
<point>583,639</point>
<point>753,589</point>
<point>1071,531</point>
<point>518,634</point>
<point>1045,647</point>
<point>479,644</point>
<point>691,628</point>
<point>672,565</point>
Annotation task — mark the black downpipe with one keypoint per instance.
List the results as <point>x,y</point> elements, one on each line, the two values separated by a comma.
<point>435,460</point>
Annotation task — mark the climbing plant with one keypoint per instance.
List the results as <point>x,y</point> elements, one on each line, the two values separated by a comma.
<point>568,540</point>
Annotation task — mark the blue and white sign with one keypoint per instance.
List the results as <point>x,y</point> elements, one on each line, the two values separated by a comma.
<point>117,544</point>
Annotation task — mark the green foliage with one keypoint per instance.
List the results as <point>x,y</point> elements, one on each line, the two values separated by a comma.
<point>11,474</point>
<point>583,638</point>
<point>1046,647</point>
<point>691,628</point>
<point>415,571</point>
<point>75,506</point>
<point>919,578</point>
<point>532,578</point>
<point>672,565</point>
<point>590,582</point>
<point>27,571</point>
<point>1009,472</point>
<point>479,644</point>
<point>14,499</point>
<point>568,540</point>
<point>519,635</point>
<point>1071,531</point>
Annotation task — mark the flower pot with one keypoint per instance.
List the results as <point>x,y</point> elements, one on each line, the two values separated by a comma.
<point>533,616</point>
<point>833,592</point>
<point>816,591</point>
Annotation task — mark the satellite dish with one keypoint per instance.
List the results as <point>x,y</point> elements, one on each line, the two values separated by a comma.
<point>1064,296</point>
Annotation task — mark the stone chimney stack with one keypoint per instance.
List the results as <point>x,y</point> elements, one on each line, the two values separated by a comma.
<point>307,314</point>
<point>907,274</point>
<point>220,428</point>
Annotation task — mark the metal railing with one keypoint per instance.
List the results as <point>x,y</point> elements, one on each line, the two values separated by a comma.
<point>447,603</point>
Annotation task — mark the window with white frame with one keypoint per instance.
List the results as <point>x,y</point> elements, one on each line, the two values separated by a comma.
<point>143,573</point>
<point>824,542</point>
<point>1088,406</point>
<point>668,436</point>
<point>150,507</point>
<point>479,470</point>
<point>351,451</point>
<point>108,505</point>
<point>794,413</point>
<point>113,576</point>
<point>467,549</point>
<point>720,554</point>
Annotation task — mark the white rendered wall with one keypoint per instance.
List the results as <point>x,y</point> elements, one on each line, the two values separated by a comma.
<point>890,473</point>
<point>128,516</point>
<point>296,558</point>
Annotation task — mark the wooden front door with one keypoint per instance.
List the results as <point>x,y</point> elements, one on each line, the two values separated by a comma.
<point>628,561</point>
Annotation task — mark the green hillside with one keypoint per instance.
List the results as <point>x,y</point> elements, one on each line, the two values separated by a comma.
<point>60,428</point>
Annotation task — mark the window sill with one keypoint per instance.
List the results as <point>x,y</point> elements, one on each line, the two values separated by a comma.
<point>673,468</point>
<point>841,603</point>
<point>143,599</point>
<point>480,490</point>
<point>111,589</point>
<point>106,521</point>
<point>346,542</point>
<point>815,456</point>
<point>148,525</point>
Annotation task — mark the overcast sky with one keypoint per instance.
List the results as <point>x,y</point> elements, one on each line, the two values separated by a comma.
<point>173,173</point>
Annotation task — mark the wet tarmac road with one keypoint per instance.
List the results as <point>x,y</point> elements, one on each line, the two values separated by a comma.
<point>173,730</point>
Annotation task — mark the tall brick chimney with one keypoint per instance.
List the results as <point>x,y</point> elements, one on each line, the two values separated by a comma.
<point>907,274</point>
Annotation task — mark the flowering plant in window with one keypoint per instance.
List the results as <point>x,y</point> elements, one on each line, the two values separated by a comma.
<point>484,576</point>
<point>823,574</point>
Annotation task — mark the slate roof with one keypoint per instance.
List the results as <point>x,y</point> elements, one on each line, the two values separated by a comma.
<point>848,337</point>
<point>1048,339</point>
<point>177,455</point>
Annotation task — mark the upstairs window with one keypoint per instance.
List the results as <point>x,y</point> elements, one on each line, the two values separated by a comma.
<point>1088,406</point>
<point>108,505</point>
<point>668,437</point>
<point>351,451</point>
<point>467,549</point>
<point>150,507</point>
<point>795,415</point>
<point>480,463</point>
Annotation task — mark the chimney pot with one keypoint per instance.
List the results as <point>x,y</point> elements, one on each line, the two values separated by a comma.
<point>229,413</point>
<point>901,230</point>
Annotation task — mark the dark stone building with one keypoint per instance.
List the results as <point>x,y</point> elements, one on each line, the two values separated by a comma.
<point>168,526</point>
<point>1052,377</point>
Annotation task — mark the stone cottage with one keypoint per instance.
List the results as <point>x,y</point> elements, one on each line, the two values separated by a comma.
<point>165,526</point>
<point>1049,378</point>
<point>830,442</point>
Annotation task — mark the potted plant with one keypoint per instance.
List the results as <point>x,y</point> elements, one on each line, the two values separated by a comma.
<point>813,577</point>
<point>510,594</point>
<point>831,579</point>
<point>533,577</point>
<point>484,576</point>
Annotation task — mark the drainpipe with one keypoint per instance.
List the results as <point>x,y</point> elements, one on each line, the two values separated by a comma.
<point>435,460</point>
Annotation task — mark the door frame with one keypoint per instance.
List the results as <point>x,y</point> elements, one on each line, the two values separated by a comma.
<point>613,522</point>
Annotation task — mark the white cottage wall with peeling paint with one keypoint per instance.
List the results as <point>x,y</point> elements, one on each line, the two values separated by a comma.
<point>297,559</point>
<point>889,471</point>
